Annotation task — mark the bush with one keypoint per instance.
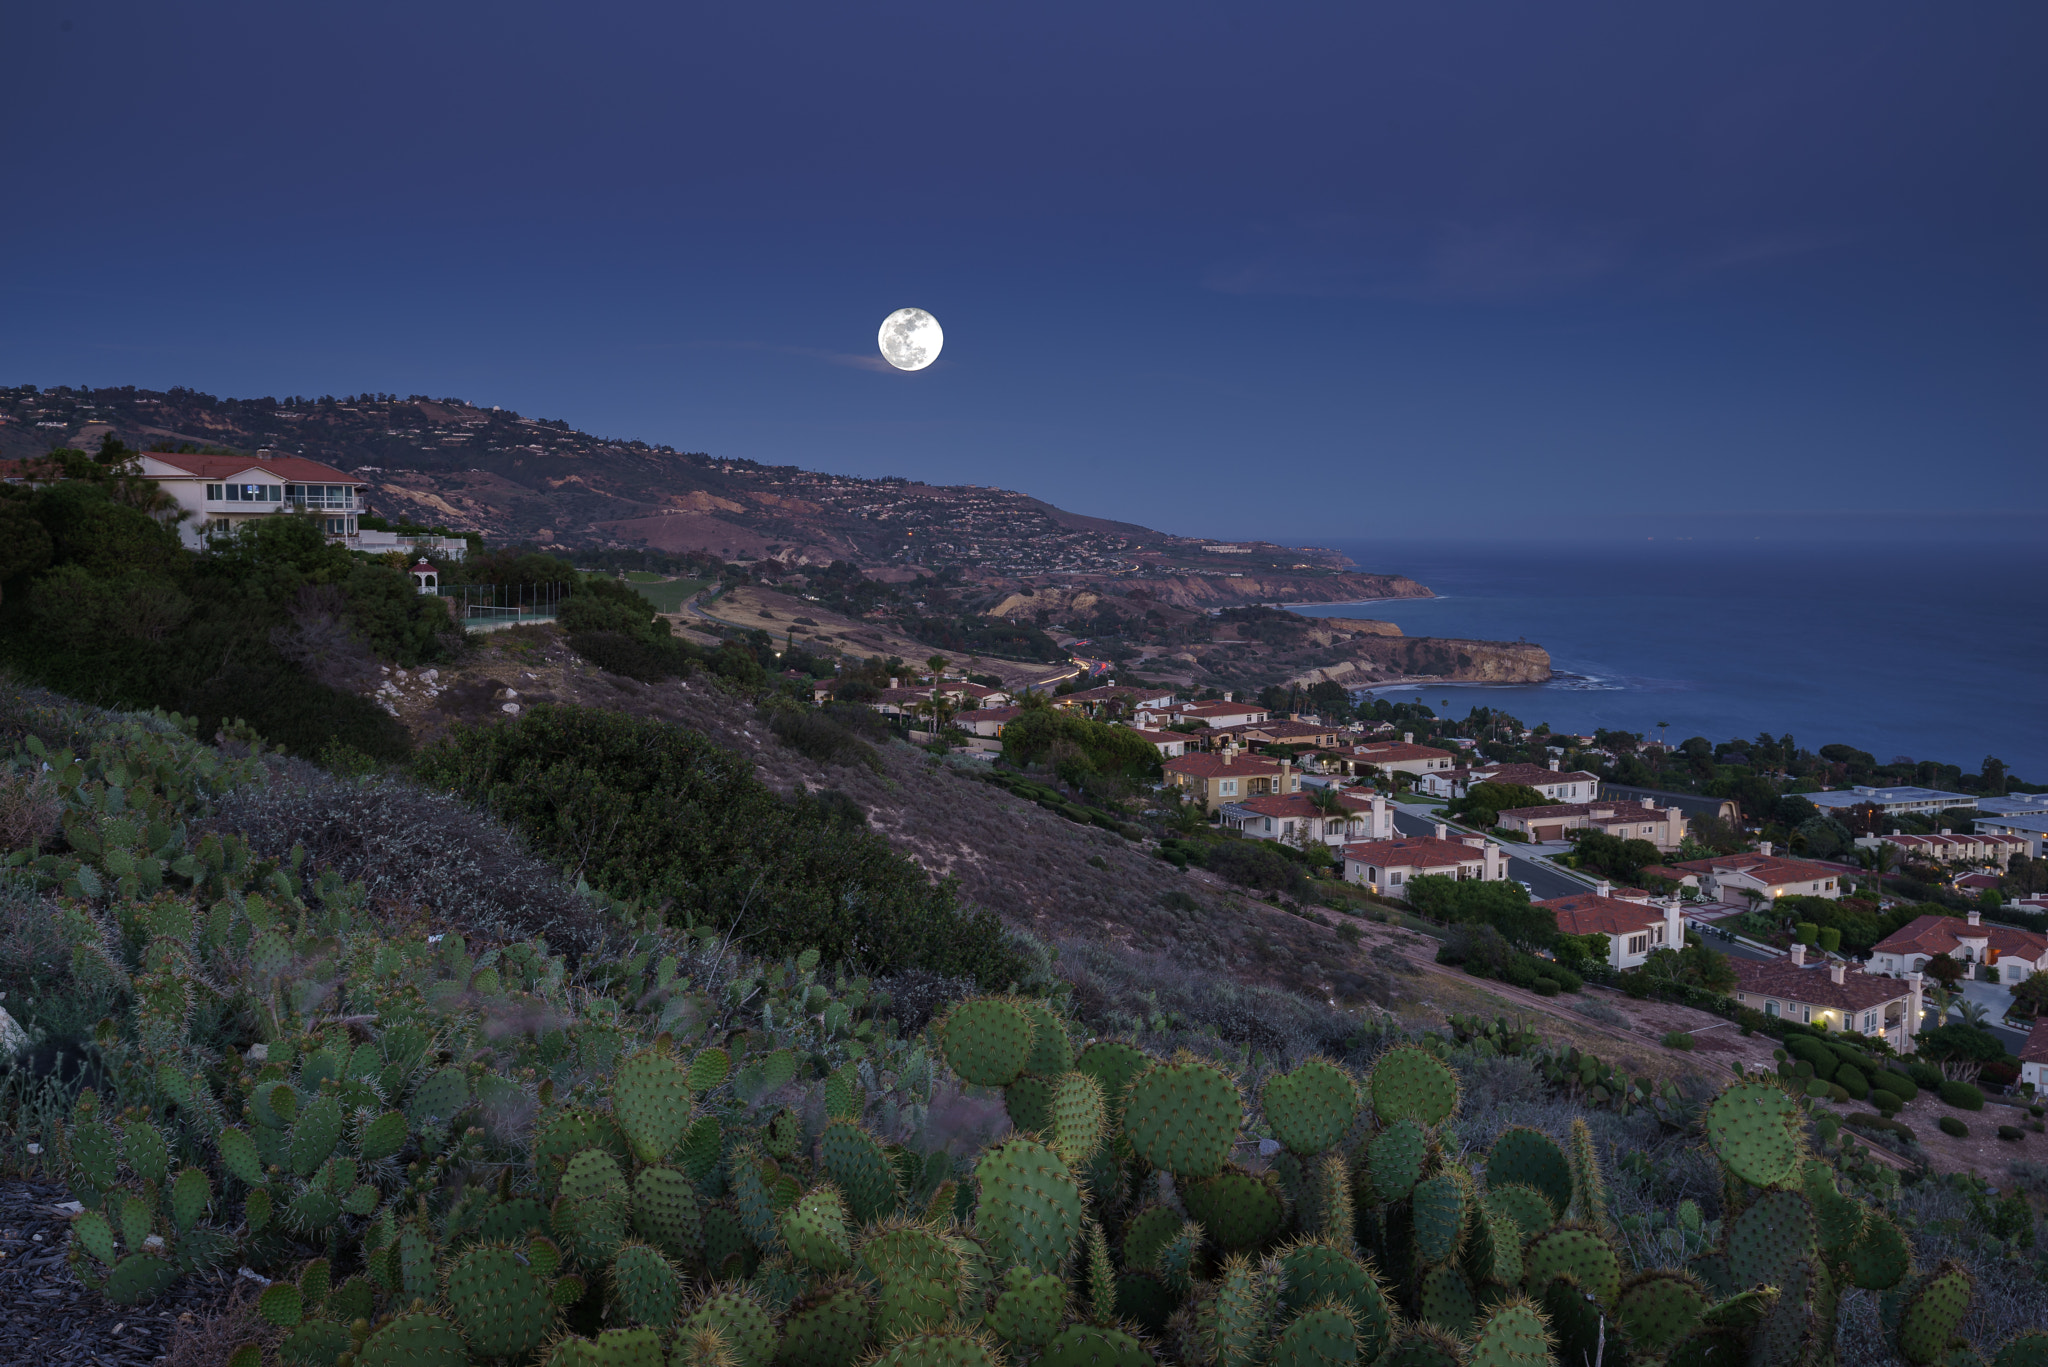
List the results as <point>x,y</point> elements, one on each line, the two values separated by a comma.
<point>1850,1079</point>
<point>1678,1039</point>
<point>2011,1133</point>
<point>1837,1093</point>
<point>1810,1050</point>
<point>1952,1126</point>
<point>661,815</point>
<point>1999,1073</point>
<point>1254,864</point>
<point>820,738</point>
<point>1897,1083</point>
<point>1545,987</point>
<point>1884,1101</point>
<point>1924,1075</point>
<point>1962,1096</point>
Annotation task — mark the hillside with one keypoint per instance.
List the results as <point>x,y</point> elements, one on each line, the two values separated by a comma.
<point>521,479</point>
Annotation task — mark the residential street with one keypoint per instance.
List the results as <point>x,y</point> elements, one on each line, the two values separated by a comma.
<point>1547,881</point>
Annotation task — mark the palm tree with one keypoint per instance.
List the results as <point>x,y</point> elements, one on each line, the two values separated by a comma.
<point>1973,1013</point>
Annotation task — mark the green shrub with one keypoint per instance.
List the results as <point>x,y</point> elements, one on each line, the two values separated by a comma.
<point>1895,1082</point>
<point>1961,1095</point>
<point>1837,1093</point>
<point>1925,1076</point>
<point>1806,932</point>
<point>661,815</point>
<point>1952,1126</point>
<point>1831,939</point>
<point>1863,1120</point>
<point>2011,1133</point>
<point>1850,1079</point>
<point>1678,1039</point>
<point>1545,987</point>
<point>1885,1101</point>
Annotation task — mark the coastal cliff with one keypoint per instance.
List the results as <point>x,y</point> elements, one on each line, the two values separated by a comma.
<point>1223,591</point>
<point>1379,659</point>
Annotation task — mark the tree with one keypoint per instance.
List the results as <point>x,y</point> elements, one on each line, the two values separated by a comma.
<point>1484,802</point>
<point>1973,1013</point>
<point>1956,1042</point>
<point>24,544</point>
<point>2031,996</point>
<point>1945,970</point>
<point>1499,903</point>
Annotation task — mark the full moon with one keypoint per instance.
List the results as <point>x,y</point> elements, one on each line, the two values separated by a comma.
<point>910,339</point>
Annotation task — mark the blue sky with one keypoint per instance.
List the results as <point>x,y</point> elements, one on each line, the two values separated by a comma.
<point>1296,271</point>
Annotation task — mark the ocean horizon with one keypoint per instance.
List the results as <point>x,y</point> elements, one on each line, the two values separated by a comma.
<point>1933,650</point>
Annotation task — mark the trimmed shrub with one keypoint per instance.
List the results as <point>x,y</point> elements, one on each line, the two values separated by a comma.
<point>2011,1133</point>
<point>1925,1075</point>
<point>1678,1039</point>
<point>1806,932</point>
<point>1831,939</point>
<point>1544,987</point>
<point>1962,1096</point>
<point>1885,1102</point>
<point>1897,1083</point>
<point>1850,1080</point>
<point>1952,1126</point>
<point>1837,1093</point>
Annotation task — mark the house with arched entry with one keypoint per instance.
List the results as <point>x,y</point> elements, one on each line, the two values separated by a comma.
<point>1831,995</point>
<point>2013,953</point>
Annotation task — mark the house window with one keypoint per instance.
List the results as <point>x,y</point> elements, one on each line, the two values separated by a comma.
<point>1395,880</point>
<point>1770,1008</point>
<point>1869,1021</point>
<point>213,493</point>
<point>1227,787</point>
<point>1638,943</point>
<point>1806,1014</point>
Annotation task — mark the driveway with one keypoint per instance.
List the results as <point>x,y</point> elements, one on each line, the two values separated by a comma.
<point>1547,880</point>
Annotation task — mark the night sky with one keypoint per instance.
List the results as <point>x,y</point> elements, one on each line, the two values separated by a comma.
<point>1295,271</point>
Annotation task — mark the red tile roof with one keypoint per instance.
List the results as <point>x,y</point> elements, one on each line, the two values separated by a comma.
<point>1280,804</point>
<point>1592,811</point>
<point>1766,868</point>
<point>293,469</point>
<point>1413,852</point>
<point>1812,985</point>
<point>1588,913</point>
<point>2035,1050</point>
<point>1944,935</point>
<point>1528,775</point>
<point>1393,752</point>
<point>1212,766</point>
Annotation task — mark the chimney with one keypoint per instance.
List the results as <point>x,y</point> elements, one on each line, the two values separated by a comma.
<point>1835,971</point>
<point>1229,696</point>
<point>1603,888</point>
<point>1763,847</point>
<point>1944,830</point>
<point>1976,918</point>
<point>1228,754</point>
<point>1442,833</point>
<point>1407,738</point>
<point>1553,766</point>
<point>1915,1004</point>
<point>1799,956</point>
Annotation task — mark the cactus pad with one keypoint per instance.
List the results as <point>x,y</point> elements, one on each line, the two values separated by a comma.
<point>949,1347</point>
<point>1029,1102</point>
<point>1932,1314</point>
<point>1438,1210</point>
<point>1577,1252</point>
<point>1322,1337</point>
<point>665,1211</point>
<point>900,1250</point>
<point>568,1134</point>
<point>238,1152</point>
<point>1147,1232</point>
<point>1423,1345</point>
<point>1079,1117</point>
<point>1114,1064</point>
<point>1029,1309</point>
<point>1409,1083</point>
<point>987,1040</point>
<point>908,1303</point>
<point>1315,1272</point>
<point>1514,1335</point>
<point>828,1329</point>
<point>1240,1211</point>
<point>1445,1299</point>
<point>854,1160</point>
<point>1031,1207</point>
<point>1397,1159</point>
<point>1880,1258</point>
<point>2028,1348</point>
<point>1530,1158</point>
<point>651,1098</point>
<point>1232,1319</point>
<point>740,1318</point>
<point>500,1300</point>
<point>1051,1052</point>
<point>281,1304</point>
<point>95,1236</point>
<point>1754,1128</point>
<point>441,1097</point>
<point>1660,1307</point>
<point>1776,1231</point>
<point>1089,1345</point>
<point>1311,1107</point>
<point>415,1340</point>
<point>644,1286</point>
<point>143,1145</point>
<point>140,1277</point>
<point>1183,1116</point>
<point>382,1137</point>
<point>1493,1247</point>
<point>815,1230</point>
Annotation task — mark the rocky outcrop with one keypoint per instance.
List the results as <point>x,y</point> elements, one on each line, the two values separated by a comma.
<point>1379,659</point>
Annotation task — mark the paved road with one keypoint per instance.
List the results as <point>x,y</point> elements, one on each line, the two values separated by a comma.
<point>1547,881</point>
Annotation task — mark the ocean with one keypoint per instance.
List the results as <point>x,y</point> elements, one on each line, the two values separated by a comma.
<point>1934,651</point>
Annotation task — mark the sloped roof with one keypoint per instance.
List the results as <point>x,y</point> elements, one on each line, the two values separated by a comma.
<point>291,469</point>
<point>1813,986</point>
<point>1588,913</point>
<point>1416,852</point>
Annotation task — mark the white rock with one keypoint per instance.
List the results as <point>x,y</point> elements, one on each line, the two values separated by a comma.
<point>258,1053</point>
<point>71,1207</point>
<point>153,1241</point>
<point>13,1039</point>
<point>512,707</point>
<point>35,1149</point>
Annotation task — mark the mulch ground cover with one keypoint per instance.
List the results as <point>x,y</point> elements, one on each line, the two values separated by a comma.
<point>46,1316</point>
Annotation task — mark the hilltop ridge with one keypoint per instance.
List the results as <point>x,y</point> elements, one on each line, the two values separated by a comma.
<point>515,478</point>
